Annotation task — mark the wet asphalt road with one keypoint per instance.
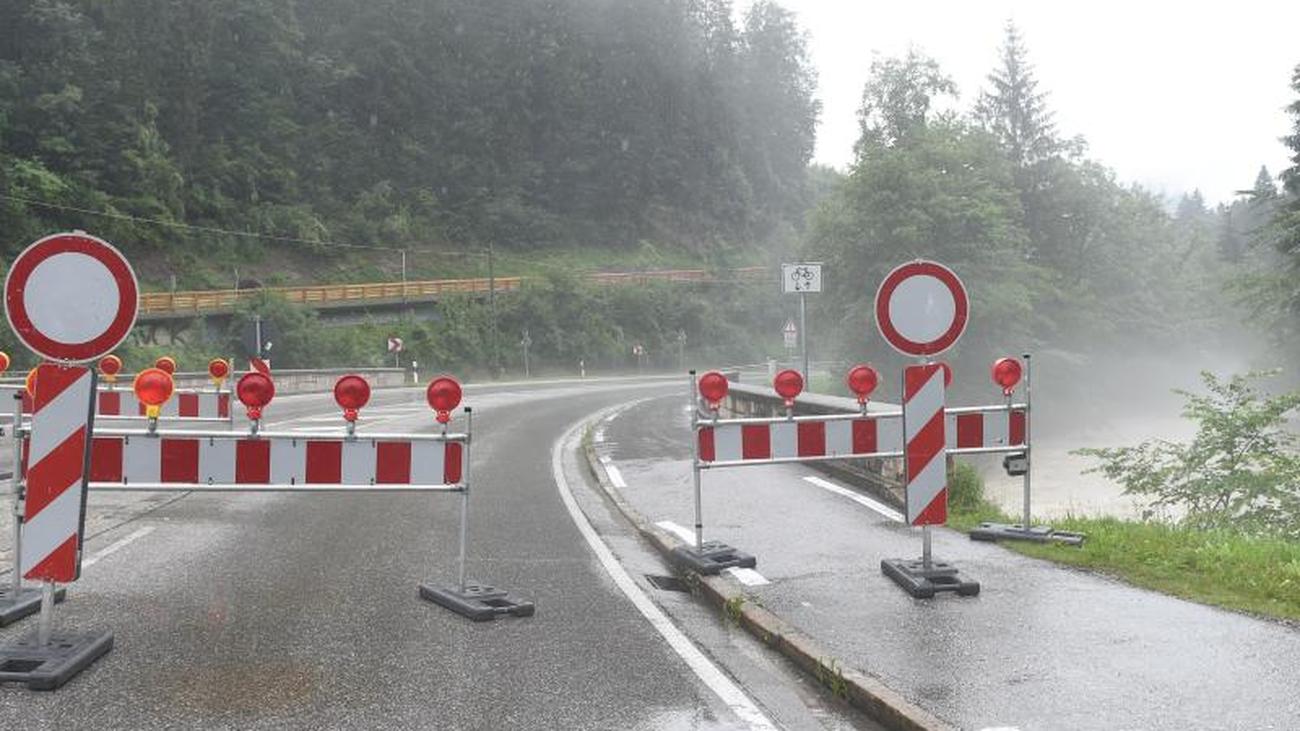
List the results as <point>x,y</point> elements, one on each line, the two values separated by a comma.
<point>1042,647</point>
<point>290,611</point>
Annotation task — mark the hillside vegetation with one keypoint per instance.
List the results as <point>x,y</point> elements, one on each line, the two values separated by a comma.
<point>399,123</point>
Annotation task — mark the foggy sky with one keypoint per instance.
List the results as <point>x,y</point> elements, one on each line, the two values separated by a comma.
<point>1175,96</point>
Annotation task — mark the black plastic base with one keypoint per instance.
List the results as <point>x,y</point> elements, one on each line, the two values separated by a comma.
<point>46,667</point>
<point>924,583</point>
<point>712,558</point>
<point>479,602</point>
<point>1017,532</point>
<point>27,603</point>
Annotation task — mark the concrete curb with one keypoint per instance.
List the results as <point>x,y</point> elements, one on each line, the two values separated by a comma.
<point>862,691</point>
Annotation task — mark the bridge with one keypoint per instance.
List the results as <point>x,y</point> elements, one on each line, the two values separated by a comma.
<point>155,306</point>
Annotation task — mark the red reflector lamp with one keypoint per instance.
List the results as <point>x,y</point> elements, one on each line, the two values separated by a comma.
<point>109,367</point>
<point>1006,373</point>
<point>713,387</point>
<point>153,386</point>
<point>4,361</point>
<point>218,370</point>
<point>788,384</point>
<point>351,393</point>
<point>862,381</point>
<point>443,395</point>
<point>255,390</point>
<point>166,364</point>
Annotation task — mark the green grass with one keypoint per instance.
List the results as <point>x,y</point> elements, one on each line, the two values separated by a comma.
<point>1253,574</point>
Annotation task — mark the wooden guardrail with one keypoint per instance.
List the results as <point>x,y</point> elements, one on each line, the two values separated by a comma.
<point>342,295</point>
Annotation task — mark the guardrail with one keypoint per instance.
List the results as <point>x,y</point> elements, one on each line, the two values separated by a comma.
<point>163,304</point>
<point>883,477</point>
<point>288,380</point>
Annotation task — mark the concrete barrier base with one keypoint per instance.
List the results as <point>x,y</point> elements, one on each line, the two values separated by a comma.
<point>46,667</point>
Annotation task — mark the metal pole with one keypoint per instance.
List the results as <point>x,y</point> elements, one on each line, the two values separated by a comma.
<point>925,547</point>
<point>403,276</point>
<point>1029,462</point>
<point>16,484</point>
<point>464,500</point>
<point>803,333</point>
<point>492,306</point>
<point>257,332</point>
<point>695,461</point>
<point>46,620</point>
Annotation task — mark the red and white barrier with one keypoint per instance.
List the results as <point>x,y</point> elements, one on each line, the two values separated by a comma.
<point>120,403</point>
<point>55,480</point>
<point>811,438</point>
<point>925,463</point>
<point>188,460</point>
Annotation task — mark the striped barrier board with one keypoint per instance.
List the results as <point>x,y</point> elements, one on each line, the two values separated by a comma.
<point>122,403</point>
<point>813,438</point>
<point>925,463</point>
<point>55,495</point>
<point>223,461</point>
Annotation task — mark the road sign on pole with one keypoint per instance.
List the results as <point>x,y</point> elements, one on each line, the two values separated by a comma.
<point>922,308</point>
<point>70,298</point>
<point>791,334</point>
<point>802,279</point>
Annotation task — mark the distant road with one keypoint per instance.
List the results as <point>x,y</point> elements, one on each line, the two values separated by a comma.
<point>164,305</point>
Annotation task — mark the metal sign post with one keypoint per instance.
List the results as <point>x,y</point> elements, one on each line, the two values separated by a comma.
<point>802,279</point>
<point>525,343</point>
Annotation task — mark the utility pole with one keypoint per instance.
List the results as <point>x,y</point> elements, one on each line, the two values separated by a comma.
<point>681,349</point>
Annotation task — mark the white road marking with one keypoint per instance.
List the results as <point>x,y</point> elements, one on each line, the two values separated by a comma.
<point>680,531</point>
<point>748,577</point>
<point>708,673</point>
<point>115,546</point>
<point>863,500</point>
<point>615,476</point>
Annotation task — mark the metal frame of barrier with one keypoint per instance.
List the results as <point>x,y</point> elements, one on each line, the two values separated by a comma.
<point>45,665</point>
<point>711,557</point>
<point>228,419</point>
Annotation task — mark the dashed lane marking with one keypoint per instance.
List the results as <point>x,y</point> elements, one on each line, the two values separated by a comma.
<point>748,577</point>
<point>680,531</point>
<point>862,500</point>
<point>115,546</point>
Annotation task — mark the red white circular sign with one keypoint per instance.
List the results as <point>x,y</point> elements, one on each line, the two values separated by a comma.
<point>922,308</point>
<point>71,297</point>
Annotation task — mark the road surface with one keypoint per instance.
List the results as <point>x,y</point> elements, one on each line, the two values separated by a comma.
<point>274,611</point>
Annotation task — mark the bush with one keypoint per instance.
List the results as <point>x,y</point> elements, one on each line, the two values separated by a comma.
<point>1239,472</point>
<point>965,489</point>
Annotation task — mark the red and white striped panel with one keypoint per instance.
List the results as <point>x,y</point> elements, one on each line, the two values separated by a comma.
<point>863,437</point>
<point>56,449</point>
<point>924,460</point>
<point>277,460</point>
<point>183,404</point>
<point>192,404</point>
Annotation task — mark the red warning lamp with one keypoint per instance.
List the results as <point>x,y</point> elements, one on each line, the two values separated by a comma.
<point>153,386</point>
<point>788,384</point>
<point>218,370</point>
<point>443,395</point>
<point>4,361</point>
<point>713,387</point>
<point>1006,373</point>
<point>109,367</point>
<point>166,364</point>
<point>351,392</point>
<point>862,381</point>
<point>255,390</point>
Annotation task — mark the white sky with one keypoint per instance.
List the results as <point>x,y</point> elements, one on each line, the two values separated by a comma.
<point>1172,95</point>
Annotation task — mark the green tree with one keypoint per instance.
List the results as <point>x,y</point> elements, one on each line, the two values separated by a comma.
<point>1013,109</point>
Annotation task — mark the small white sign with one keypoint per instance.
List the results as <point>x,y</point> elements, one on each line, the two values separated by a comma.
<point>395,345</point>
<point>801,278</point>
<point>791,333</point>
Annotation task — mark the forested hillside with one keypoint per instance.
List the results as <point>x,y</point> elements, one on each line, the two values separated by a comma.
<point>401,123</point>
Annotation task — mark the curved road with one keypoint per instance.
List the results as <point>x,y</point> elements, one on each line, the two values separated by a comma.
<point>275,611</point>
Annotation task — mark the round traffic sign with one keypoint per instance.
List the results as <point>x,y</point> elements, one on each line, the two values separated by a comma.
<point>71,297</point>
<point>922,308</point>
